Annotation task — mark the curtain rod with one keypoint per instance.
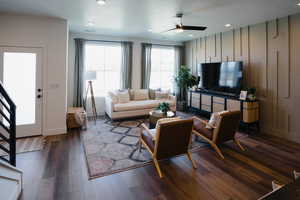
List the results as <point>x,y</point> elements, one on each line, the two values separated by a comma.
<point>109,41</point>
<point>164,45</point>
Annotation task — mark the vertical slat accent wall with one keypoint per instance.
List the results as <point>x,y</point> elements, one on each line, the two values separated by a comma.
<point>271,55</point>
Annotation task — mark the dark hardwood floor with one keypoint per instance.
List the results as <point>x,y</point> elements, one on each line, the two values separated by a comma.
<point>59,172</point>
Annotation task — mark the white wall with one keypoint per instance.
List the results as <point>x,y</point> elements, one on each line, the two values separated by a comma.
<point>136,68</point>
<point>51,35</point>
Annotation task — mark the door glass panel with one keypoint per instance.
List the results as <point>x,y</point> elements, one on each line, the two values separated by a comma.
<point>19,79</point>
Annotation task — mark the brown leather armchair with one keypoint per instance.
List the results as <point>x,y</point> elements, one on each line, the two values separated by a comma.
<point>224,131</point>
<point>168,140</point>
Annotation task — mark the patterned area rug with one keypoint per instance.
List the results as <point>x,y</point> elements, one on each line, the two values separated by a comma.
<point>26,145</point>
<point>112,147</point>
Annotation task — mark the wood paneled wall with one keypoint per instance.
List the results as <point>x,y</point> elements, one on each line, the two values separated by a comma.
<point>271,55</point>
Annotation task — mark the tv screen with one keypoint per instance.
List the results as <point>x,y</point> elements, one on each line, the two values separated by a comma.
<point>225,77</point>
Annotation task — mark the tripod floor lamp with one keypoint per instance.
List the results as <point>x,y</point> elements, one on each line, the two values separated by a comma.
<point>90,76</point>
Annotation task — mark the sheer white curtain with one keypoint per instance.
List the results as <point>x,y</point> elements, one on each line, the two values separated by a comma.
<point>162,67</point>
<point>105,59</point>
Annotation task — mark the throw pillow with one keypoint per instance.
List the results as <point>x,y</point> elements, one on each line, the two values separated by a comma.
<point>164,94</point>
<point>214,119</point>
<point>141,94</point>
<point>123,96</point>
<point>131,94</point>
<point>152,93</point>
<point>114,97</point>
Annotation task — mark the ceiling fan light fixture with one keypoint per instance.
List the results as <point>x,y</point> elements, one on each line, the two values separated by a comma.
<point>101,2</point>
<point>179,30</point>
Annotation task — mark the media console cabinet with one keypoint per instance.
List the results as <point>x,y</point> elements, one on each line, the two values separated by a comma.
<point>204,103</point>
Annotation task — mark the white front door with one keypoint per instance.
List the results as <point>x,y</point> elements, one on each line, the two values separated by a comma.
<point>21,75</point>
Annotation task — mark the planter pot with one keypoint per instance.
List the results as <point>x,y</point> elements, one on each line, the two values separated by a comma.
<point>181,105</point>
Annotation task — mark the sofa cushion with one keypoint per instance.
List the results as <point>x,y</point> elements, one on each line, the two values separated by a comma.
<point>140,105</point>
<point>136,105</point>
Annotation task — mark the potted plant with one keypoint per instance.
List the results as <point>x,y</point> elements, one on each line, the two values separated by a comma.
<point>184,81</point>
<point>164,107</point>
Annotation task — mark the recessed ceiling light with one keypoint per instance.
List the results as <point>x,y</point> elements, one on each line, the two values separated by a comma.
<point>298,4</point>
<point>101,2</point>
<point>191,35</point>
<point>227,25</point>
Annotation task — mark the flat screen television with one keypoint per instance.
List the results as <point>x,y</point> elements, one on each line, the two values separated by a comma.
<point>223,77</point>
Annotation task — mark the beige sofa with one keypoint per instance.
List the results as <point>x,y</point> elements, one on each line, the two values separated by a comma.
<point>116,110</point>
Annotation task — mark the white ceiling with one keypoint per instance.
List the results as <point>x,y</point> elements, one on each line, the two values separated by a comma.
<point>133,18</point>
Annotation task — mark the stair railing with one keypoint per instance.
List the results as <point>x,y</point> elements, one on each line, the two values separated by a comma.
<point>7,126</point>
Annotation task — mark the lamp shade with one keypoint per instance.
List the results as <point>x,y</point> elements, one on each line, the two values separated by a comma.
<point>91,75</point>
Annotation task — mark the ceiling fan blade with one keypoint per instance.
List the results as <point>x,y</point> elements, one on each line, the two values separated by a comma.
<point>168,30</point>
<point>194,28</point>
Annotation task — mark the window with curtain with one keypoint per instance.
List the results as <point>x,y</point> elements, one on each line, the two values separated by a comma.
<point>162,67</point>
<point>104,61</point>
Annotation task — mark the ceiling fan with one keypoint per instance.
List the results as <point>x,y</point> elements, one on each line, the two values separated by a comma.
<point>180,27</point>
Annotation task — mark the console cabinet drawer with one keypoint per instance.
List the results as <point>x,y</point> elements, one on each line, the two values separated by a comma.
<point>218,100</point>
<point>195,104</point>
<point>206,100</point>
<point>217,107</point>
<point>195,96</point>
<point>206,108</point>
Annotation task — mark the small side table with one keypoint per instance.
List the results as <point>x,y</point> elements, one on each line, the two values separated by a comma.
<point>155,115</point>
<point>250,110</point>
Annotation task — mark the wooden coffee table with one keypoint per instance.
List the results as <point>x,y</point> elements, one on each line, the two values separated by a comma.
<point>155,115</point>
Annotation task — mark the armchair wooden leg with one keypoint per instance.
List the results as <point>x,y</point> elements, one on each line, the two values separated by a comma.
<point>157,167</point>
<point>189,155</point>
<point>239,144</point>
<point>217,150</point>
